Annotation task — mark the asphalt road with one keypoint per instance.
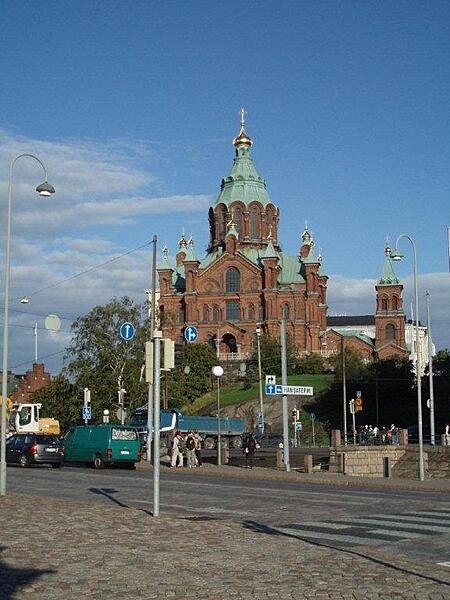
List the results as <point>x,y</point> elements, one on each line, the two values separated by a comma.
<point>398,523</point>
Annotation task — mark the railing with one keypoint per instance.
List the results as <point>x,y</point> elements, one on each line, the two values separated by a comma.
<point>233,356</point>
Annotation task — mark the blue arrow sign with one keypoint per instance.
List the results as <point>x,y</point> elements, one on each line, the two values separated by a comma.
<point>270,389</point>
<point>191,334</point>
<point>127,331</point>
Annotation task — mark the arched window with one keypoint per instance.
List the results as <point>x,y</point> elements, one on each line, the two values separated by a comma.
<point>384,303</point>
<point>232,307</point>
<point>232,280</point>
<point>251,312</point>
<point>254,223</point>
<point>394,303</point>
<point>221,224</point>
<point>237,218</point>
<point>215,314</point>
<point>286,311</point>
<point>205,313</point>
<point>390,333</point>
<point>181,314</point>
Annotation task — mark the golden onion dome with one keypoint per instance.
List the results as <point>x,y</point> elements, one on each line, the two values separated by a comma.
<point>242,138</point>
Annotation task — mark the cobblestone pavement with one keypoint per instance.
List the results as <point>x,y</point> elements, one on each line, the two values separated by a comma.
<point>63,550</point>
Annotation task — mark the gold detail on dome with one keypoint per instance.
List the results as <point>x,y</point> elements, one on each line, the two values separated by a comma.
<point>242,138</point>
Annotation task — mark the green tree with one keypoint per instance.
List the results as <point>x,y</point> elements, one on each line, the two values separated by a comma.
<point>61,401</point>
<point>441,389</point>
<point>99,358</point>
<point>311,364</point>
<point>191,378</point>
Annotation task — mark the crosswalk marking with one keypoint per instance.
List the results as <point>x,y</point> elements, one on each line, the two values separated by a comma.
<point>373,530</point>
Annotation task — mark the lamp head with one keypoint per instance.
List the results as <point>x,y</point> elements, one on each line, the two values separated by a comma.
<point>45,189</point>
<point>217,371</point>
<point>24,300</point>
<point>396,255</point>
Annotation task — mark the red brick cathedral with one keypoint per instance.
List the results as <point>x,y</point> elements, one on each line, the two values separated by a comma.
<point>245,278</point>
<point>245,281</point>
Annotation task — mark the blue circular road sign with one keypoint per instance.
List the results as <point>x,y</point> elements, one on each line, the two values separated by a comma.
<point>191,334</point>
<point>127,331</point>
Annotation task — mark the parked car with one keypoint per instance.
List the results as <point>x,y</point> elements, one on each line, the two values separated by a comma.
<point>103,445</point>
<point>269,440</point>
<point>35,448</point>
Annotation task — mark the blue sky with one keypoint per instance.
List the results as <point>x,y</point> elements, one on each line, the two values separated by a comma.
<point>133,107</point>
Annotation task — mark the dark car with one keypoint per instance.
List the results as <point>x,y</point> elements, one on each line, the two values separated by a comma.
<point>269,440</point>
<point>35,448</point>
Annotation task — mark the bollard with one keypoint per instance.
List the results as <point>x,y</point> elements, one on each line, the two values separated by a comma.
<point>341,460</point>
<point>403,437</point>
<point>386,466</point>
<point>225,455</point>
<point>335,438</point>
<point>280,458</point>
<point>308,459</point>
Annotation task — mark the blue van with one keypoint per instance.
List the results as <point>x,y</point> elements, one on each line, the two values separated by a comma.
<point>102,445</point>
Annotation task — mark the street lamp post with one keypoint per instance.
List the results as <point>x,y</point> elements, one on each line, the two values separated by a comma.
<point>261,401</point>
<point>44,189</point>
<point>430,370</point>
<point>397,256</point>
<point>217,371</point>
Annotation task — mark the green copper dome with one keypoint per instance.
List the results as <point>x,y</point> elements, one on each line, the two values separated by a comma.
<point>243,182</point>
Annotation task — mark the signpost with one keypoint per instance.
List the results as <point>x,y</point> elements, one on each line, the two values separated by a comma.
<point>191,334</point>
<point>289,390</point>
<point>127,331</point>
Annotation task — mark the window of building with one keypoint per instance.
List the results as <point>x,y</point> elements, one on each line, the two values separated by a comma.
<point>181,315</point>
<point>254,223</point>
<point>215,314</point>
<point>384,304</point>
<point>205,313</point>
<point>390,333</point>
<point>232,307</point>
<point>251,312</point>
<point>233,277</point>
<point>237,218</point>
<point>286,311</point>
<point>394,303</point>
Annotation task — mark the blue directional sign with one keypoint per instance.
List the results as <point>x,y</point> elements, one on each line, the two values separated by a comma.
<point>127,331</point>
<point>270,389</point>
<point>191,334</point>
<point>87,413</point>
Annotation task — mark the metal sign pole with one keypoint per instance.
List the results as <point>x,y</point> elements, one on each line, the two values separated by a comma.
<point>284,401</point>
<point>156,415</point>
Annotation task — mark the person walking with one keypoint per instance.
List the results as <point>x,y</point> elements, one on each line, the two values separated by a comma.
<point>190,449</point>
<point>198,448</point>
<point>447,435</point>
<point>177,455</point>
<point>248,448</point>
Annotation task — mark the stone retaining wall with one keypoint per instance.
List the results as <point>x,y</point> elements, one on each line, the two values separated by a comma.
<point>365,462</point>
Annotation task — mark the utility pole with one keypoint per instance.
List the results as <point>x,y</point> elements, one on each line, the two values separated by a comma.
<point>430,370</point>
<point>156,438</point>
<point>284,401</point>
<point>151,379</point>
<point>344,390</point>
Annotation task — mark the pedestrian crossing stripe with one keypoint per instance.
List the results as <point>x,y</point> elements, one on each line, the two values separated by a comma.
<point>372,530</point>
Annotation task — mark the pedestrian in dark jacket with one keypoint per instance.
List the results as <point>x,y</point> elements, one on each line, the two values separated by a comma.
<point>248,448</point>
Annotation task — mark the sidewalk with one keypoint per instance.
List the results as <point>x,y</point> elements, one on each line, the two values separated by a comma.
<point>54,550</point>
<point>319,477</point>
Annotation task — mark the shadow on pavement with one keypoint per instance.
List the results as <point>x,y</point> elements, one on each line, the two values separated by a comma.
<point>109,493</point>
<point>261,528</point>
<point>11,579</point>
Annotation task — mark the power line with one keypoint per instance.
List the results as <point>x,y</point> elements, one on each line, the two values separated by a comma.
<point>99,266</point>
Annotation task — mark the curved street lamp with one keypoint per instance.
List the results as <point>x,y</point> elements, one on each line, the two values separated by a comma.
<point>397,256</point>
<point>217,371</point>
<point>44,189</point>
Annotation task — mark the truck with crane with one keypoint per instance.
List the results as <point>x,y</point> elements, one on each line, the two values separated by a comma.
<point>25,418</point>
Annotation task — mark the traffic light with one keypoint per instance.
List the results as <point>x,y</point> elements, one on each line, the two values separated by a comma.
<point>358,404</point>
<point>295,415</point>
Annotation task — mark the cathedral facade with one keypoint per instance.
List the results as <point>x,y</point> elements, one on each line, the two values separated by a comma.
<point>245,283</point>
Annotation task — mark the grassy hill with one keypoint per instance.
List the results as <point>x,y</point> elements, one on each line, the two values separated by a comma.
<point>235,395</point>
